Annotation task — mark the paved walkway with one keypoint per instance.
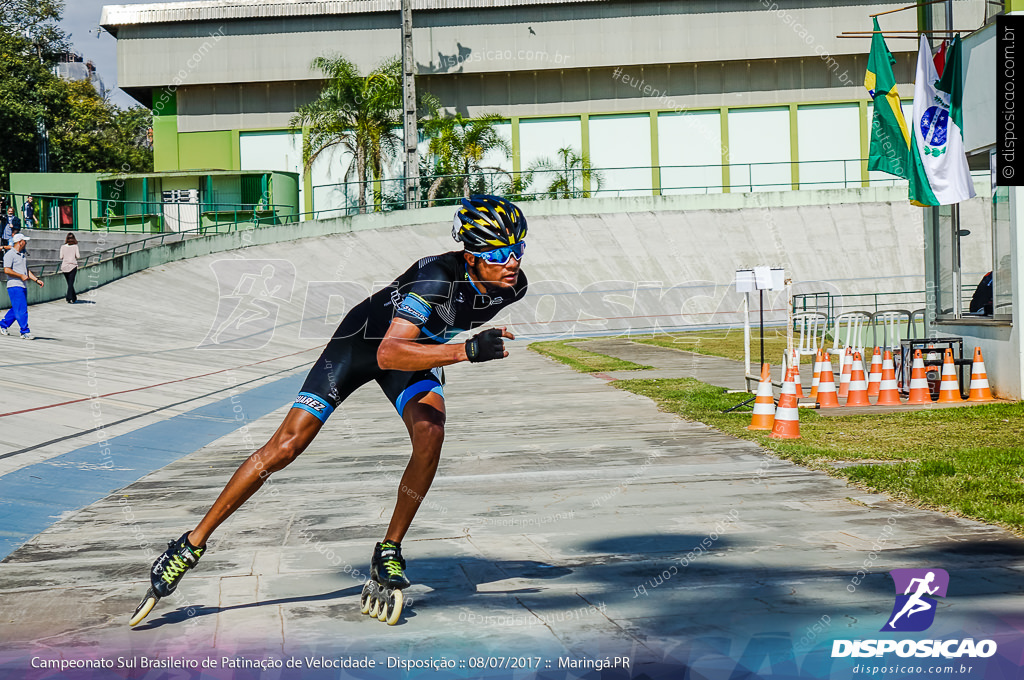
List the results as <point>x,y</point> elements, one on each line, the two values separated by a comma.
<point>668,363</point>
<point>570,522</point>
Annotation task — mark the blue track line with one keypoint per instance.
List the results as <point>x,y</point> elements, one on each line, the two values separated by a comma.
<point>37,496</point>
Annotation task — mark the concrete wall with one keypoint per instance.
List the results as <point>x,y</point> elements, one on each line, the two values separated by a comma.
<point>1001,343</point>
<point>499,39</point>
<point>979,102</point>
<point>518,61</point>
<point>607,265</point>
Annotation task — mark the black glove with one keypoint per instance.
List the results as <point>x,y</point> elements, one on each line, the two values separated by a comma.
<point>485,346</point>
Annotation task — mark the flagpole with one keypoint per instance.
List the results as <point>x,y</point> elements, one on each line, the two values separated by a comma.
<point>914,6</point>
<point>915,32</point>
<point>894,37</point>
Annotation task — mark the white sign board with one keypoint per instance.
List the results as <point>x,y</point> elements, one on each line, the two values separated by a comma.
<point>745,281</point>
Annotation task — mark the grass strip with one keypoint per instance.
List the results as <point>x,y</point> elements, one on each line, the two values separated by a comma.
<point>967,461</point>
<point>581,359</point>
<point>727,343</point>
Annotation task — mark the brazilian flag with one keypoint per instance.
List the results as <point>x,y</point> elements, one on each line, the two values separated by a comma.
<point>890,138</point>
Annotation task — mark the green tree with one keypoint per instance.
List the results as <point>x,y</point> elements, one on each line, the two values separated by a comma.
<point>362,115</point>
<point>458,146</point>
<point>35,20</point>
<point>29,95</point>
<point>86,132</point>
<point>93,135</point>
<point>569,175</point>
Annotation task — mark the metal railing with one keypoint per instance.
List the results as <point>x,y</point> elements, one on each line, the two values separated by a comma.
<point>386,194</point>
<point>833,304</point>
<point>119,216</point>
<point>46,267</point>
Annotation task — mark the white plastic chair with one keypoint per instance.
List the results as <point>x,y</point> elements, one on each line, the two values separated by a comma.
<point>892,321</point>
<point>812,327</point>
<point>848,331</point>
<point>912,332</point>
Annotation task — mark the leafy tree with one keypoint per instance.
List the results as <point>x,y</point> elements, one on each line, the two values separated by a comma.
<point>87,133</point>
<point>35,22</point>
<point>569,175</point>
<point>93,135</point>
<point>362,115</point>
<point>458,146</point>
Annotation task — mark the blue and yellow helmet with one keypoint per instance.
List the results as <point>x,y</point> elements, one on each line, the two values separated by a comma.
<point>486,222</point>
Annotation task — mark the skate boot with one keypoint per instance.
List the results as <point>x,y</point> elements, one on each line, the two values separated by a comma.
<point>166,572</point>
<point>382,594</point>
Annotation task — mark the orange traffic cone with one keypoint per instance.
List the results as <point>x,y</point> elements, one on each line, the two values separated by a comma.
<point>827,384</point>
<point>764,402</point>
<point>795,363</point>
<point>858,386</point>
<point>920,393</point>
<point>787,417</point>
<point>949,388</point>
<point>817,375</point>
<point>888,393</point>
<point>875,375</point>
<point>844,374</point>
<point>979,379</point>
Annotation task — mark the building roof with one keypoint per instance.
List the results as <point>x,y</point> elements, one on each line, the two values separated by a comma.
<point>219,10</point>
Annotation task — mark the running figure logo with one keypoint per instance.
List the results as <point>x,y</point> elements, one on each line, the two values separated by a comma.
<point>250,296</point>
<point>914,611</point>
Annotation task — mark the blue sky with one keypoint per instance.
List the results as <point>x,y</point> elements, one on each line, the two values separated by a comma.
<point>81,19</point>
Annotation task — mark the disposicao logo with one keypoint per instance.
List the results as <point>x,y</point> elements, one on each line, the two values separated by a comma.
<point>914,611</point>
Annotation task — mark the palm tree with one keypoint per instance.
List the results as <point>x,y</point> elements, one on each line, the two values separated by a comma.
<point>459,146</point>
<point>571,174</point>
<point>361,114</point>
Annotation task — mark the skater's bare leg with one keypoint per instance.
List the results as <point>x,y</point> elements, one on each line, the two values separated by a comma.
<point>424,417</point>
<point>292,437</point>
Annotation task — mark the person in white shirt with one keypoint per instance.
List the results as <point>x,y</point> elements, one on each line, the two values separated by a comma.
<point>17,272</point>
<point>69,266</point>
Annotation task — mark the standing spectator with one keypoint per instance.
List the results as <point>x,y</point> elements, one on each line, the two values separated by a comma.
<point>16,268</point>
<point>981,302</point>
<point>28,213</point>
<point>69,266</point>
<point>12,225</point>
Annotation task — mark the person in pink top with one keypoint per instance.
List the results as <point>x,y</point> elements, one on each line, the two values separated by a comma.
<point>69,266</point>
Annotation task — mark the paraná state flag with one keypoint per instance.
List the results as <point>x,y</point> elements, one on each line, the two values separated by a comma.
<point>939,174</point>
<point>890,137</point>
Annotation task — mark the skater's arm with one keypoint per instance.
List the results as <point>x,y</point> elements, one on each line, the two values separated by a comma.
<point>399,350</point>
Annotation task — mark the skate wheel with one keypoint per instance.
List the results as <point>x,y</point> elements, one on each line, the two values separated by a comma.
<point>382,610</point>
<point>144,608</point>
<point>374,605</point>
<point>366,597</point>
<point>394,607</point>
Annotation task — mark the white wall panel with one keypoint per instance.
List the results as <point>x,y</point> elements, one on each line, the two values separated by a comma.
<point>273,151</point>
<point>498,159</point>
<point>690,139</point>
<point>620,149</point>
<point>759,152</point>
<point>542,137</point>
<point>328,176</point>
<point>828,141</point>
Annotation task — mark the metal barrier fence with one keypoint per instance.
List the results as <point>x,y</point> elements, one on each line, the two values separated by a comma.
<point>56,211</point>
<point>576,182</point>
<point>53,266</point>
<point>833,304</point>
<point>65,212</point>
